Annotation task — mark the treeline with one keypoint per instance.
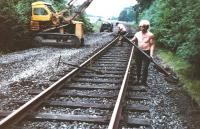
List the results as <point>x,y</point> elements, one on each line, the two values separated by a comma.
<point>127,14</point>
<point>15,16</point>
<point>176,24</point>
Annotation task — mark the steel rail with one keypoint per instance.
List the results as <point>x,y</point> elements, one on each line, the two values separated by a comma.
<point>116,115</point>
<point>28,108</point>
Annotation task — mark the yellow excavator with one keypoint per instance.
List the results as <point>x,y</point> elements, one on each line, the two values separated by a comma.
<point>53,28</point>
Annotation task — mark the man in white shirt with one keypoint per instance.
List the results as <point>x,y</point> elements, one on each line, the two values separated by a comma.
<point>146,42</point>
<point>121,28</point>
<point>121,31</point>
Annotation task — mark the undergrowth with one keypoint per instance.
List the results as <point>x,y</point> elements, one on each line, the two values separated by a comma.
<point>185,71</point>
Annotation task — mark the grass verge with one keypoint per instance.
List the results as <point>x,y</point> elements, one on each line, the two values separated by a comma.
<point>185,71</point>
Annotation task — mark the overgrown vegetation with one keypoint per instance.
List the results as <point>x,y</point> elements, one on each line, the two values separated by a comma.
<point>127,14</point>
<point>15,23</point>
<point>12,24</point>
<point>185,71</point>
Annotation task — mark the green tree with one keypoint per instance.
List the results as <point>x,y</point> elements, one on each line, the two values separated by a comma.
<point>127,14</point>
<point>144,4</point>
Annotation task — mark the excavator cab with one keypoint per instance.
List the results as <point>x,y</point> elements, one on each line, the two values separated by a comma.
<point>53,29</point>
<point>42,14</point>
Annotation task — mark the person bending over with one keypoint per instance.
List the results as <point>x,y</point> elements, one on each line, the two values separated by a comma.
<point>121,30</point>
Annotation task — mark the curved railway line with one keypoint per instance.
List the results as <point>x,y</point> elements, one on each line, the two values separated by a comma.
<point>96,94</point>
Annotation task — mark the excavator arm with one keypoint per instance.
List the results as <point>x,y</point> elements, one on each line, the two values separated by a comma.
<point>76,13</point>
<point>68,19</point>
<point>81,9</point>
<point>71,3</point>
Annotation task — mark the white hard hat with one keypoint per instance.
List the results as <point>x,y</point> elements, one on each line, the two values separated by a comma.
<point>144,22</point>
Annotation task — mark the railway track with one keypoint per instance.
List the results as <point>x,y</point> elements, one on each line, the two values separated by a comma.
<point>96,94</point>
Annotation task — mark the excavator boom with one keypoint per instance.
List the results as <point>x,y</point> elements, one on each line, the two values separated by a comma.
<point>81,9</point>
<point>71,3</point>
<point>74,15</point>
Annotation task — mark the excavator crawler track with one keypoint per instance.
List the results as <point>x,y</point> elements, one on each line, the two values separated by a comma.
<point>57,39</point>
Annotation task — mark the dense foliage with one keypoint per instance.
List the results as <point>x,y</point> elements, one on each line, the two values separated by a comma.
<point>127,14</point>
<point>12,23</point>
<point>144,4</point>
<point>15,22</point>
<point>176,24</point>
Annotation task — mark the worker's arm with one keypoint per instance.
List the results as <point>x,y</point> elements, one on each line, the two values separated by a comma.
<point>134,39</point>
<point>119,30</point>
<point>152,47</point>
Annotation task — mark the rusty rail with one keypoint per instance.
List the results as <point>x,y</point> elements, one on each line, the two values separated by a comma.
<point>117,112</point>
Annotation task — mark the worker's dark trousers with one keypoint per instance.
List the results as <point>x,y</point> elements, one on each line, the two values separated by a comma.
<point>142,64</point>
<point>121,37</point>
